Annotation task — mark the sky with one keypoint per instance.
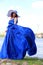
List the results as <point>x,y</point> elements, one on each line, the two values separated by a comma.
<point>30,12</point>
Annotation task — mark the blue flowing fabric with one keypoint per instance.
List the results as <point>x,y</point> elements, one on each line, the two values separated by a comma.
<point>17,41</point>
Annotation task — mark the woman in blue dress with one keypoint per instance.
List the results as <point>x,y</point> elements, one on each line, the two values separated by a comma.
<point>18,40</point>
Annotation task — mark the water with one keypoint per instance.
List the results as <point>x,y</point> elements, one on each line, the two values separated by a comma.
<point>1,42</point>
<point>39,43</point>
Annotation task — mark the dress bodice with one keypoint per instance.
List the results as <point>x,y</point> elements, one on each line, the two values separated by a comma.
<point>12,21</point>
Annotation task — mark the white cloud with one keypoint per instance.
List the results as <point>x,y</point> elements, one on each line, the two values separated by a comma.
<point>37,15</point>
<point>37,0</point>
<point>37,4</point>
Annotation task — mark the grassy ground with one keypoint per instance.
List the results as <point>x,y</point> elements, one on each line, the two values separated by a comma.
<point>29,61</point>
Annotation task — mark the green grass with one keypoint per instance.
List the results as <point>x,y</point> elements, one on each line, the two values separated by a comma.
<point>30,61</point>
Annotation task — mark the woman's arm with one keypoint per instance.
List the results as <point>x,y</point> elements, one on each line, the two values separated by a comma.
<point>15,20</point>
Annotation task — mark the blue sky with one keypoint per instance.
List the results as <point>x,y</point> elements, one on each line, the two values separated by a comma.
<point>25,4</point>
<point>31,12</point>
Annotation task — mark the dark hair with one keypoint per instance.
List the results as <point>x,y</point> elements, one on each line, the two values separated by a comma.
<point>13,13</point>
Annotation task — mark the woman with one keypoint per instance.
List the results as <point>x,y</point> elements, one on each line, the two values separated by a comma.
<point>18,39</point>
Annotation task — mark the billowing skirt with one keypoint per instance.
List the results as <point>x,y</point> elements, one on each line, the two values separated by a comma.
<point>17,41</point>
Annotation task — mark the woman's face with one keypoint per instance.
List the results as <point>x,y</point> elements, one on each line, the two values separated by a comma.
<point>14,15</point>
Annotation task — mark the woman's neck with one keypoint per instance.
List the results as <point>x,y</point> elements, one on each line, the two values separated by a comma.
<point>12,18</point>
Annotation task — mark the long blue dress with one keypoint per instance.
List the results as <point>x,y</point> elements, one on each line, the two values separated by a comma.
<point>17,41</point>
